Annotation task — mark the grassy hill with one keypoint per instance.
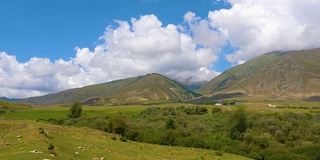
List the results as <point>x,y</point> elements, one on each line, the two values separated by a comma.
<point>29,140</point>
<point>142,89</point>
<point>6,106</point>
<point>275,130</point>
<point>293,74</point>
<point>24,136</point>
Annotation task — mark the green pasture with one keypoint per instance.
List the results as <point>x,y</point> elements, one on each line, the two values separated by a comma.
<point>60,112</point>
<point>23,139</point>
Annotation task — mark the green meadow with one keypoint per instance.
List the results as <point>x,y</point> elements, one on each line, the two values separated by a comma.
<point>285,130</point>
<point>80,142</point>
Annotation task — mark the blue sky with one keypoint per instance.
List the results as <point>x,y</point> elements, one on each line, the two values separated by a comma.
<point>51,45</point>
<point>53,28</point>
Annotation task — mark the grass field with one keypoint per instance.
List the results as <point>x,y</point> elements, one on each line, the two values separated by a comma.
<point>86,143</point>
<point>60,112</point>
<point>20,138</point>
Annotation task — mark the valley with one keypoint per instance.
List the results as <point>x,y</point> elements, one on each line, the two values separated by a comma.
<point>273,130</point>
<point>267,108</point>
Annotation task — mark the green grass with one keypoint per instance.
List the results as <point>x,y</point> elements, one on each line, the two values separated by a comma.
<point>60,112</point>
<point>94,143</point>
<point>87,142</point>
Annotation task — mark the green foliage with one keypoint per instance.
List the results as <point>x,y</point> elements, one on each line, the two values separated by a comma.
<point>230,102</point>
<point>51,146</point>
<point>118,124</point>
<point>167,137</point>
<point>265,135</point>
<point>123,139</point>
<point>170,124</point>
<point>194,142</point>
<point>216,110</point>
<point>311,151</point>
<point>219,153</point>
<point>209,103</point>
<point>150,111</point>
<point>196,110</point>
<point>2,111</point>
<point>288,156</point>
<point>238,123</point>
<point>75,110</point>
<point>168,111</point>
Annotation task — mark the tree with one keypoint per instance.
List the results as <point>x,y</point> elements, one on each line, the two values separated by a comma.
<point>239,124</point>
<point>118,124</point>
<point>170,124</point>
<point>75,110</point>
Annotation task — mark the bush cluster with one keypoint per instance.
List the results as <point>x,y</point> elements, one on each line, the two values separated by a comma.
<point>252,134</point>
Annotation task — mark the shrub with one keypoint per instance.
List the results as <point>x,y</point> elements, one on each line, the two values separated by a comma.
<point>51,146</point>
<point>180,108</point>
<point>166,137</point>
<point>75,110</point>
<point>123,139</point>
<point>2,111</point>
<point>41,131</point>
<point>262,141</point>
<point>238,123</point>
<point>254,155</point>
<point>168,111</point>
<point>219,153</point>
<point>117,124</point>
<point>114,138</point>
<point>230,102</point>
<point>216,110</point>
<point>288,156</point>
<point>202,110</point>
<point>312,151</point>
<point>170,124</point>
<point>196,110</point>
<point>208,103</point>
<point>193,141</point>
<point>132,134</point>
<point>150,111</point>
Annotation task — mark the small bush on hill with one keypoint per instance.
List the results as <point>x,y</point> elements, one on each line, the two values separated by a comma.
<point>216,110</point>
<point>75,110</point>
<point>51,146</point>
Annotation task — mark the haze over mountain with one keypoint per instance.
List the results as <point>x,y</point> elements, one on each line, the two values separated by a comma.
<point>142,89</point>
<point>294,74</point>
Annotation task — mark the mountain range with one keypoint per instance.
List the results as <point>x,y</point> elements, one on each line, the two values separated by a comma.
<point>294,74</point>
<point>141,89</point>
<point>288,75</point>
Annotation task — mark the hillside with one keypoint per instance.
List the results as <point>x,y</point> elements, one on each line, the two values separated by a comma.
<point>149,88</point>
<point>23,139</point>
<point>12,106</point>
<point>294,74</point>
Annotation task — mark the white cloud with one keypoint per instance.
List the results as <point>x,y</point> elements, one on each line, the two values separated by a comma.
<point>203,34</point>
<point>185,51</point>
<point>130,49</point>
<point>146,46</point>
<point>260,26</point>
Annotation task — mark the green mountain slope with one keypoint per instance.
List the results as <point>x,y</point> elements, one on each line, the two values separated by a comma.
<point>149,88</point>
<point>293,74</point>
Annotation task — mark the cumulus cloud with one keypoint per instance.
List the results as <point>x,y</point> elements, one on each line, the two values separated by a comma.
<point>203,33</point>
<point>146,46</point>
<point>257,27</point>
<point>184,51</point>
<point>38,76</point>
<point>133,48</point>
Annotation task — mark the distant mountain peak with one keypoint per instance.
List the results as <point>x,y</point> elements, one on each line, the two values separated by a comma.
<point>152,87</point>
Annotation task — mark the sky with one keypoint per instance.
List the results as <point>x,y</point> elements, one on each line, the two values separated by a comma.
<point>47,46</point>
